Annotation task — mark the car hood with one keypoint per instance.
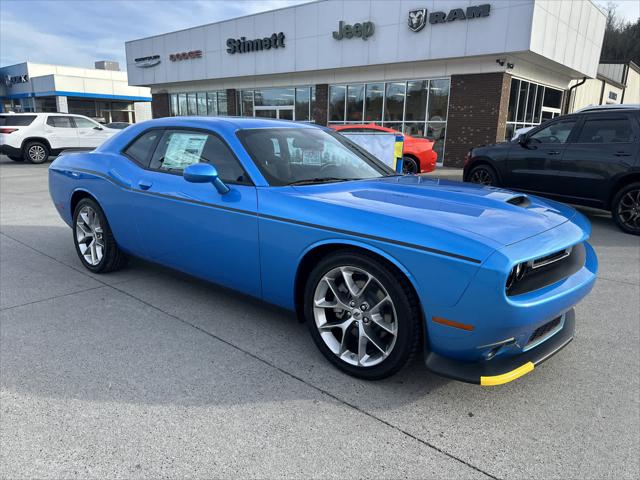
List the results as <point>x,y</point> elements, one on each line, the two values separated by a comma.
<point>500,217</point>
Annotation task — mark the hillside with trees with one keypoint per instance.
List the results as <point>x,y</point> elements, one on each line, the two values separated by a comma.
<point>621,39</point>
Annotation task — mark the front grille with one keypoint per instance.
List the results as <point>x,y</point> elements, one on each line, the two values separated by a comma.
<point>544,331</point>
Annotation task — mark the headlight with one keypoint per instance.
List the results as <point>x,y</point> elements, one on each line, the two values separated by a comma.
<point>516,274</point>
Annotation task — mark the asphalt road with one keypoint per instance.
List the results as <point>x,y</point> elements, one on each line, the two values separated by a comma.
<point>149,373</point>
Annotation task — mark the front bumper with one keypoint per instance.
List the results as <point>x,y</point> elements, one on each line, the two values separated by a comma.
<point>502,370</point>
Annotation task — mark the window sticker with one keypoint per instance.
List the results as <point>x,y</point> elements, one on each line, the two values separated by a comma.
<point>184,149</point>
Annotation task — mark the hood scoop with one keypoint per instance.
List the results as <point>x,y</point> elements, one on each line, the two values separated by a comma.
<point>519,201</point>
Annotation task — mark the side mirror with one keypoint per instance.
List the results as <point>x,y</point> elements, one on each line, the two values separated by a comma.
<point>522,139</point>
<point>205,173</point>
<point>98,128</point>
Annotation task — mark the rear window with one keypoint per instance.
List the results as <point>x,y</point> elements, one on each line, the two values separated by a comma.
<point>16,120</point>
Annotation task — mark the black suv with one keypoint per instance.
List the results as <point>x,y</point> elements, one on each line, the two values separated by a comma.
<point>590,158</point>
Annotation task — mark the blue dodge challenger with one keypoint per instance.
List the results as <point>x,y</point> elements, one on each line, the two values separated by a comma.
<point>380,266</point>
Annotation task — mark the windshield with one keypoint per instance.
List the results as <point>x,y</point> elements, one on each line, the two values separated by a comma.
<point>289,156</point>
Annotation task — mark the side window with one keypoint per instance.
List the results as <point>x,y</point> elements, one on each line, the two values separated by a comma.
<point>60,122</point>
<point>178,149</point>
<point>557,132</point>
<point>140,150</point>
<point>84,122</point>
<point>218,154</point>
<point>606,130</point>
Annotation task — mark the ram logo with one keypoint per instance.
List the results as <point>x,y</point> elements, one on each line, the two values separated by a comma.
<point>417,19</point>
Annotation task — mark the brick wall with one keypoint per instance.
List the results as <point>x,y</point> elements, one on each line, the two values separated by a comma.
<point>232,102</point>
<point>321,107</point>
<point>477,113</point>
<point>160,105</point>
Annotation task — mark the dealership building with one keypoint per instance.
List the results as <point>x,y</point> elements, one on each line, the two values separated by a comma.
<point>463,73</point>
<point>102,93</point>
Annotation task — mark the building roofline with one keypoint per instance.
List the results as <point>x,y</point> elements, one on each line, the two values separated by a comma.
<point>223,21</point>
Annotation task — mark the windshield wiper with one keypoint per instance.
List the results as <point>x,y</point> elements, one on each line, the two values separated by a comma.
<point>310,181</point>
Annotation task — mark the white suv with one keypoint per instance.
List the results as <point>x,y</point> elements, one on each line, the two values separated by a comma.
<point>32,137</point>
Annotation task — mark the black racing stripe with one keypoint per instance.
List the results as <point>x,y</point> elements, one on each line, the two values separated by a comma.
<point>286,220</point>
<point>373,237</point>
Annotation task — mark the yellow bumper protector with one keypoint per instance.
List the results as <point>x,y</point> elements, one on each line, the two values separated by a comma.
<point>506,377</point>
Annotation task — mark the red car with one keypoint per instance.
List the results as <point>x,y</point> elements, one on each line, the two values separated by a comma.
<point>419,156</point>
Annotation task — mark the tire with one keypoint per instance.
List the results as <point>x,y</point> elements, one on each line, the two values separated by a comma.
<point>100,253</point>
<point>484,175</point>
<point>395,327</point>
<point>625,208</point>
<point>410,165</point>
<point>35,152</point>
<point>14,158</point>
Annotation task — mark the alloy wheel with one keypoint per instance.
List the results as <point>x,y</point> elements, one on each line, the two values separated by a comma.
<point>355,316</point>
<point>629,209</point>
<point>89,236</point>
<point>409,165</point>
<point>481,176</point>
<point>37,153</point>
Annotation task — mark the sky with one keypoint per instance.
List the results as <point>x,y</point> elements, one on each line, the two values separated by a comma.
<point>78,32</point>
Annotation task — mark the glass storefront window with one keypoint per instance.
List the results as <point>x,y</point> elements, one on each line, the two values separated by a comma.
<point>530,104</point>
<point>552,98</point>
<point>373,103</point>
<point>202,104</point>
<point>268,97</point>
<point>438,100</point>
<point>302,104</point>
<point>437,131</point>
<point>182,104</point>
<point>414,129</point>
<point>222,103</point>
<point>174,105</point>
<point>394,102</point>
<point>416,107</point>
<point>192,104</point>
<point>538,110</point>
<point>212,104</point>
<point>513,100</point>
<point>337,94</point>
<point>355,102</point>
<point>246,103</point>
<point>522,101</point>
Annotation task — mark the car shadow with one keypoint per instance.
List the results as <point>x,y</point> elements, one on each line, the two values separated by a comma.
<point>165,337</point>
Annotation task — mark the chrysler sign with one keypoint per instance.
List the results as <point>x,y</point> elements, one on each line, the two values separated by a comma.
<point>146,62</point>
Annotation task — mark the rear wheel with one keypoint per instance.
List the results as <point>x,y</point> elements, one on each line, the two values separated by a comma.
<point>95,245</point>
<point>484,175</point>
<point>409,165</point>
<point>362,315</point>
<point>14,158</point>
<point>35,152</point>
<point>626,208</point>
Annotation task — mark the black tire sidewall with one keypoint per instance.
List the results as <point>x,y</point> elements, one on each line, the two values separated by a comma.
<point>413,162</point>
<point>105,227</point>
<point>26,156</point>
<point>409,332</point>
<point>492,173</point>
<point>614,207</point>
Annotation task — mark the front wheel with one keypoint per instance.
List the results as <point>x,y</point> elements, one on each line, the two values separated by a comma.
<point>484,175</point>
<point>95,245</point>
<point>362,315</point>
<point>626,209</point>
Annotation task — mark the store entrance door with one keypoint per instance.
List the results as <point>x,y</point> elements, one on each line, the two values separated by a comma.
<point>283,113</point>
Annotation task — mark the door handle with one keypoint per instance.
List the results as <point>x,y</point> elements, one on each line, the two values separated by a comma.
<point>622,154</point>
<point>144,185</point>
<point>553,152</point>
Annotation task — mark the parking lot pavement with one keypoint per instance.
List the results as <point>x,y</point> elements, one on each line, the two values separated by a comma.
<point>149,373</point>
